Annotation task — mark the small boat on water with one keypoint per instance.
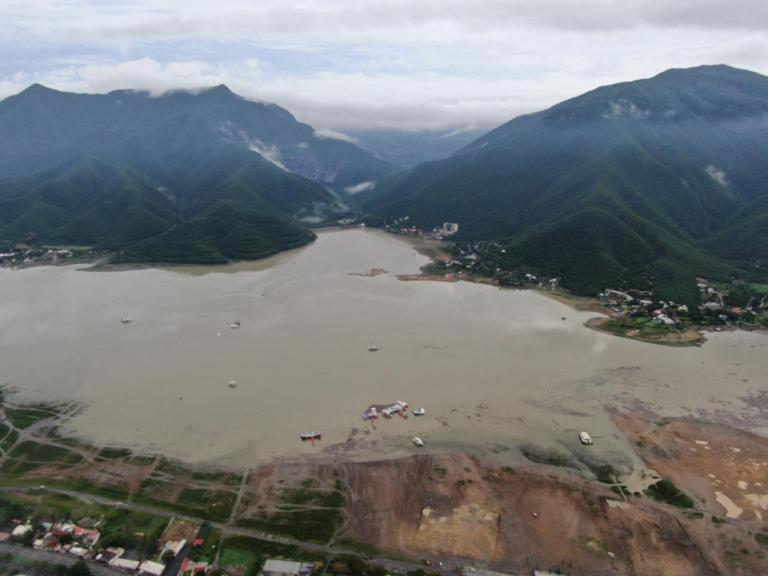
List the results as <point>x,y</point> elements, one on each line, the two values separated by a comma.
<point>232,384</point>
<point>397,408</point>
<point>417,441</point>
<point>585,438</point>
<point>311,436</point>
<point>371,414</point>
<point>235,325</point>
<point>126,320</point>
<point>419,412</point>
<point>373,348</point>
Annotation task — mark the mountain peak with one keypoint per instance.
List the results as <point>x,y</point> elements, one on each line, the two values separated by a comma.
<point>37,88</point>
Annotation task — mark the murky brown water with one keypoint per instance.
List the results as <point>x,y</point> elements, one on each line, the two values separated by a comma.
<point>493,368</point>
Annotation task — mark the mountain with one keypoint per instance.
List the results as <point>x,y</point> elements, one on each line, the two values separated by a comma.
<point>406,149</point>
<point>119,169</point>
<point>660,179</point>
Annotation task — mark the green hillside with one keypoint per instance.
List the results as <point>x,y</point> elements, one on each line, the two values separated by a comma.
<point>653,182</point>
<point>129,172</point>
<point>227,231</point>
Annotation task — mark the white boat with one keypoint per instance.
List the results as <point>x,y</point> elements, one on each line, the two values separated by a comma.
<point>585,438</point>
<point>126,320</point>
<point>232,384</point>
<point>371,414</point>
<point>419,412</point>
<point>373,348</point>
<point>235,325</point>
<point>311,436</point>
<point>417,441</point>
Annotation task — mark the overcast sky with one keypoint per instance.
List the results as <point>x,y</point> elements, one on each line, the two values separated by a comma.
<point>346,64</point>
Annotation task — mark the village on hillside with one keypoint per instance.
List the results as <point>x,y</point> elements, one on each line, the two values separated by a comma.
<point>636,311</point>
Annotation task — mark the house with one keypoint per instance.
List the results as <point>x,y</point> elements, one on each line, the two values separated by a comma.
<point>470,571</point>
<point>449,228</point>
<point>125,564</point>
<point>174,546</point>
<point>150,568</point>
<point>21,530</point>
<point>286,568</point>
<point>109,554</point>
<point>663,319</point>
<point>191,568</point>
<point>711,306</point>
<point>618,295</point>
<point>4,536</point>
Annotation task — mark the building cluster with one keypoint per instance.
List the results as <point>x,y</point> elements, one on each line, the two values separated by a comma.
<point>30,256</point>
<point>175,554</point>
<point>83,541</point>
<point>404,226</point>
<point>641,303</point>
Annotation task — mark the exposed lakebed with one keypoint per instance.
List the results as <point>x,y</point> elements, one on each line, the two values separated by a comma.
<point>495,369</point>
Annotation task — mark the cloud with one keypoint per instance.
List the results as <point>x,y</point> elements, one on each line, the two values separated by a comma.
<point>361,187</point>
<point>352,64</point>
<point>717,175</point>
<point>330,134</point>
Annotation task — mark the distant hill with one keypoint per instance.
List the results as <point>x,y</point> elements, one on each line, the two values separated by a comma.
<point>663,178</point>
<point>406,149</point>
<point>125,170</point>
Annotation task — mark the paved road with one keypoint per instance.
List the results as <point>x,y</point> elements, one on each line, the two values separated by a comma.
<point>33,555</point>
<point>228,529</point>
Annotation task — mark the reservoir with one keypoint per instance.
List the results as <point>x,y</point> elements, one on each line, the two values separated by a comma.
<point>494,369</point>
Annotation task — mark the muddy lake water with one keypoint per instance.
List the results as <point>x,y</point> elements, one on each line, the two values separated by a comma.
<point>494,369</point>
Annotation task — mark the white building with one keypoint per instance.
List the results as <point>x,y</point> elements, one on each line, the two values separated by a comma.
<point>286,568</point>
<point>21,530</point>
<point>149,568</point>
<point>124,564</point>
<point>449,228</point>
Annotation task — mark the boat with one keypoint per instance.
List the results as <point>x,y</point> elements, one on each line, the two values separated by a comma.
<point>311,436</point>
<point>371,414</point>
<point>585,438</point>
<point>395,408</point>
<point>417,441</point>
<point>373,348</point>
<point>235,325</point>
<point>419,412</point>
<point>126,320</point>
<point>232,384</point>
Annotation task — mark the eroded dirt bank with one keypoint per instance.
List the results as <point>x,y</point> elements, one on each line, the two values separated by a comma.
<point>518,519</point>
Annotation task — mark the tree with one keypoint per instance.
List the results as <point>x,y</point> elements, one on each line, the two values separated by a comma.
<point>79,568</point>
<point>168,557</point>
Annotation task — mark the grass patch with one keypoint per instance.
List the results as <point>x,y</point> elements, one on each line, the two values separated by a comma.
<point>170,468</point>
<point>113,491</point>
<point>357,546</point>
<point>207,552</point>
<point>114,453</point>
<point>213,504</point>
<point>313,525</point>
<point>304,497</point>
<point>19,467</point>
<point>666,491</point>
<point>222,477</point>
<point>24,418</point>
<point>249,554</point>
<point>761,538</point>
<point>36,452</point>
<point>548,456</point>
<point>9,441</point>
<point>132,530</point>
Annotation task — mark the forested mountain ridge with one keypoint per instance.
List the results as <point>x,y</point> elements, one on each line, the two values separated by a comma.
<point>663,178</point>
